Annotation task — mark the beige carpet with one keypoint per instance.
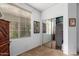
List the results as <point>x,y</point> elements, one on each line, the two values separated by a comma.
<point>42,51</point>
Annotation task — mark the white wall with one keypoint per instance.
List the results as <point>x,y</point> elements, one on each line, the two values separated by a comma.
<point>78,27</point>
<point>55,11</point>
<point>46,37</point>
<point>72,31</point>
<point>21,45</point>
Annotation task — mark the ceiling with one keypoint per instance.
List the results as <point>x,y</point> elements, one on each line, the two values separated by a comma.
<point>41,6</point>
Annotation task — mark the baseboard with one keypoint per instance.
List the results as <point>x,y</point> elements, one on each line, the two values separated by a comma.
<point>27,50</point>
<point>72,53</point>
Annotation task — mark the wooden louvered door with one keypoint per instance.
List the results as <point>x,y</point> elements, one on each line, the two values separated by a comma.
<point>4,38</point>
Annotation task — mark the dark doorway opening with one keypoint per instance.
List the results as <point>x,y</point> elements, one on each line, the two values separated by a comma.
<point>59,32</point>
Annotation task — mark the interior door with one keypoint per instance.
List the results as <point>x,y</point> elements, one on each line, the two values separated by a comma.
<point>4,38</point>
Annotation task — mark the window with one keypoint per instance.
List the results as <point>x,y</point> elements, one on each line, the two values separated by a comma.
<point>20,20</point>
<point>14,29</point>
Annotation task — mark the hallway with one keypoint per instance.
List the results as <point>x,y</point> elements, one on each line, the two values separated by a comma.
<point>42,51</point>
<point>30,28</point>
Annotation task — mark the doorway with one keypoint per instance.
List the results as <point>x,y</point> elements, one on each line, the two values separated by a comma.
<point>53,38</point>
<point>59,32</point>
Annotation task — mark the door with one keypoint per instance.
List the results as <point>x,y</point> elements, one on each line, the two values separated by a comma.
<point>4,38</point>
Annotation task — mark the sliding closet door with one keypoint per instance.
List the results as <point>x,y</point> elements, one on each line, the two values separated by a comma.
<point>4,38</point>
